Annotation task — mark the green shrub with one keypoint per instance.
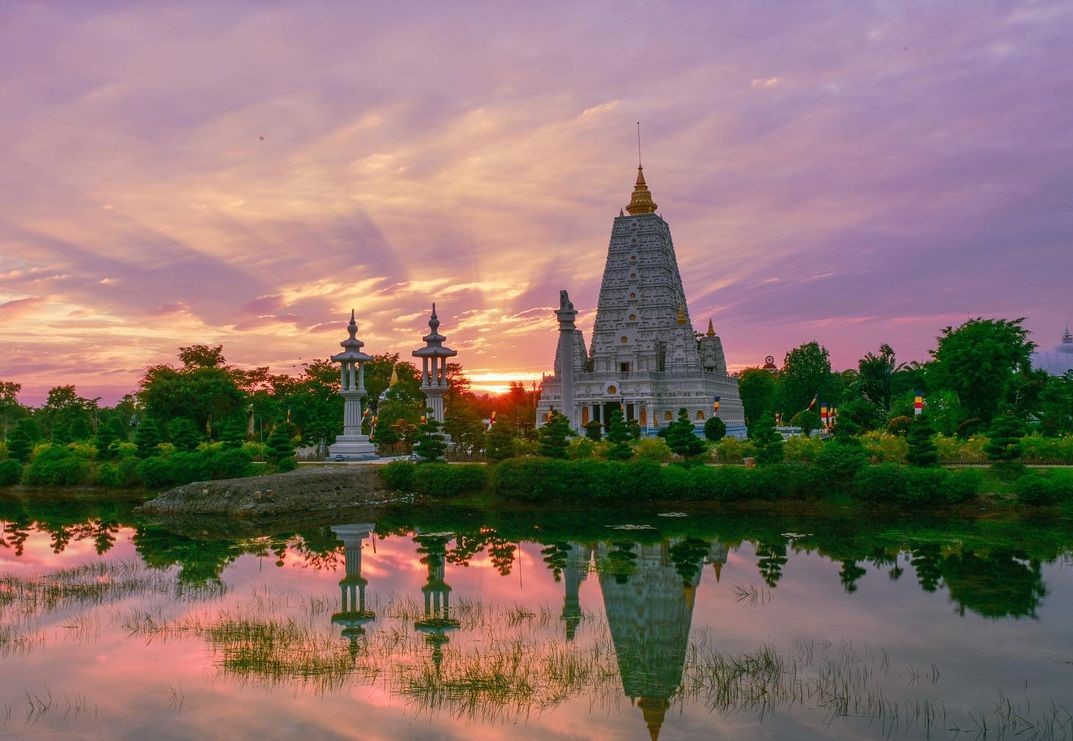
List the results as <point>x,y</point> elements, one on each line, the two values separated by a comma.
<point>732,450</point>
<point>449,480</point>
<point>10,472</point>
<point>802,449</point>
<point>55,465</point>
<point>1041,489</point>
<point>715,429</point>
<point>841,460</point>
<point>581,447</point>
<point>883,447</point>
<point>653,449</point>
<point>398,476</point>
<point>155,471</point>
<point>183,467</point>
<point>1047,450</point>
<point>286,464</point>
<point>888,483</point>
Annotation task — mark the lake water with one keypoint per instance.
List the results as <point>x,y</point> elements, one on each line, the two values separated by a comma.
<point>449,624</point>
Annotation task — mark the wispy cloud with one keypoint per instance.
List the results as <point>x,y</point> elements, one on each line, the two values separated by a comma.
<point>854,173</point>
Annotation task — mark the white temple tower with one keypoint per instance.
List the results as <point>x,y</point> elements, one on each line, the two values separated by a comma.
<point>352,445</point>
<point>434,367</point>
<point>645,354</point>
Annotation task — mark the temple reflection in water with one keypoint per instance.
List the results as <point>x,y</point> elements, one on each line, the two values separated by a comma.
<point>353,615</point>
<point>648,597</point>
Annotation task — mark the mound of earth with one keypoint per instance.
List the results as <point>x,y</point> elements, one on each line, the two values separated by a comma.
<point>307,489</point>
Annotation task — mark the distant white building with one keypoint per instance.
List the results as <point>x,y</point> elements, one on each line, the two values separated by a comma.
<point>645,355</point>
<point>1058,361</point>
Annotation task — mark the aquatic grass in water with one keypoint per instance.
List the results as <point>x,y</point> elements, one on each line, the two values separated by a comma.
<point>514,672</point>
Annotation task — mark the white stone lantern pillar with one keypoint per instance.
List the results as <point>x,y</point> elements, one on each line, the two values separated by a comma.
<point>352,445</point>
<point>434,367</point>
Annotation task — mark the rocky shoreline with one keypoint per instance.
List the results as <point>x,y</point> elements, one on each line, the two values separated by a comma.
<point>307,489</point>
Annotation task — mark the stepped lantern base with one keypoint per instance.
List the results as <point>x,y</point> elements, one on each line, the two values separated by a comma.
<point>352,448</point>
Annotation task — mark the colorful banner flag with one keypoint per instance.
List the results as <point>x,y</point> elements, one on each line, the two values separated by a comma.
<point>918,405</point>
<point>823,415</point>
<point>812,403</point>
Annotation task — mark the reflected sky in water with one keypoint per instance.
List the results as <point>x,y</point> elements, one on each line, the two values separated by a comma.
<point>374,630</point>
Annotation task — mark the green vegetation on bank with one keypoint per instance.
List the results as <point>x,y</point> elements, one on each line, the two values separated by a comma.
<point>535,479</point>
<point>75,465</point>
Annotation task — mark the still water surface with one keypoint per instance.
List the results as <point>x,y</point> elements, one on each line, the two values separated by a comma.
<point>618,626</point>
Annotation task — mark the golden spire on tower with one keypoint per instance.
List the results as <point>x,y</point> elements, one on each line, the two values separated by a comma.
<point>641,202</point>
<point>711,328</point>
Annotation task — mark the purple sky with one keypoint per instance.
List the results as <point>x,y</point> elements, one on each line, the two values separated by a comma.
<point>245,173</point>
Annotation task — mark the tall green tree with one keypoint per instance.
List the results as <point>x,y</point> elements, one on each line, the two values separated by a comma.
<point>978,361</point>
<point>11,411</point>
<point>618,434</point>
<point>204,388</point>
<point>768,440</point>
<point>922,450</point>
<point>1003,446</point>
<point>147,437</point>
<point>19,442</point>
<point>757,388</point>
<point>279,449</point>
<point>430,446</point>
<point>109,433</point>
<point>806,373</point>
<point>682,437</point>
<point>183,434</point>
<point>499,441</point>
<point>875,376</point>
<point>553,435</point>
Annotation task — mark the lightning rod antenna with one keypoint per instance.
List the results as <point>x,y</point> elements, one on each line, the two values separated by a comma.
<point>638,143</point>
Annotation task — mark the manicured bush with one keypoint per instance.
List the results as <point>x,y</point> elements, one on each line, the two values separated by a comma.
<point>921,444</point>
<point>202,465</point>
<point>398,476</point>
<point>1043,489</point>
<point>283,465</point>
<point>618,438</point>
<point>530,479</point>
<point>1003,447</point>
<point>768,440</point>
<point>10,472</point>
<point>715,429</point>
<point>449,480</point>
<point>682,437</point>
<point>841,460</point>
<point>430,446</point>
<point>55,465</point>
<point>888,483</point>
<point>553,436</point>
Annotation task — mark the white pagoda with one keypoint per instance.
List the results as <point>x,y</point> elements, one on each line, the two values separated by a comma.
<point>352,445</point>
<point>645,357</point>
<point>434,367</point>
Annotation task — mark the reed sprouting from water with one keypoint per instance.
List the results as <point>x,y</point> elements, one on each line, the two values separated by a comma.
<point>25,600</point>
<point>520,665</point>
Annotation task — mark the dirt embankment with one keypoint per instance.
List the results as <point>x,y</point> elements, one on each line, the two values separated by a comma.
<point>308,489</point>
